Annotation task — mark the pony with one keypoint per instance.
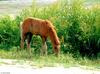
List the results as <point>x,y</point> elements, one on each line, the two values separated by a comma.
<point>35,26</point>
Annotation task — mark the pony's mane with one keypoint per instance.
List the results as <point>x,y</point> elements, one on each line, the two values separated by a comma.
<point>53,35</point>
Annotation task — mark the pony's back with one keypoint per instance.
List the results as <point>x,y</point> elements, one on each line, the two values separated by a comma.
<point>36,26</point>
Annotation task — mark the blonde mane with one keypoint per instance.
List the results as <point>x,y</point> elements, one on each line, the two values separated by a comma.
<point>53,35</point>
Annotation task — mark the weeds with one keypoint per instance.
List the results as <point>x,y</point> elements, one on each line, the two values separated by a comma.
<point>78,28</point>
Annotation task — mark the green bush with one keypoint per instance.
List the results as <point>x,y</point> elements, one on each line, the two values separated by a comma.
<point>9,32</point>
<point>78,27</point>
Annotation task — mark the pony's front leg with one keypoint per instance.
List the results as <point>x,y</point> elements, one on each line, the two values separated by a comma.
<point>43,50</point>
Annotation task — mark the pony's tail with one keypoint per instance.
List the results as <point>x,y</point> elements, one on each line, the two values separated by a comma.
<point>21,30</point>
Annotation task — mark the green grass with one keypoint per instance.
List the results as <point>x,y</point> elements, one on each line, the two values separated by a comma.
<point>77,28</point>
<point>50,60</point>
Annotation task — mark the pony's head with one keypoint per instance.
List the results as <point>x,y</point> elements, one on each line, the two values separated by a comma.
<point>56,49</point>
<point>54,38</point>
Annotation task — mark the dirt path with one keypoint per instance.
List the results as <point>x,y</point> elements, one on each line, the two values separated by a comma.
<point>15,69</point>
<point>8,66</point>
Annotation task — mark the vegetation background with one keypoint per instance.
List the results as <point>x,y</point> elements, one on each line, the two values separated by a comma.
<point>78,28</point>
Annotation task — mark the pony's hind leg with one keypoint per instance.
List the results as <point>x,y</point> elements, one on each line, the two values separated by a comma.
<point>23,37</point>
<point>29,37</point>
<point>43,50</point>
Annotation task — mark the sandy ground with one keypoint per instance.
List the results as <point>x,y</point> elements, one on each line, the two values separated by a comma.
<point>15,69</point>
<point>8,66</point>
<point>14,7</point>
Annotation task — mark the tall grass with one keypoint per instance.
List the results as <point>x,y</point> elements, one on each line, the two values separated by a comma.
<point>65,60</point>
<point>78,27</point>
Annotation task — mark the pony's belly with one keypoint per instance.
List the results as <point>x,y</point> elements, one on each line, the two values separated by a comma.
<point>40,33</point>
<point>36,33</point>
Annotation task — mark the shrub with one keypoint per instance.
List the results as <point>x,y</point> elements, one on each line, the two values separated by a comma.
<point>78,27</point>
<point>9,32</point>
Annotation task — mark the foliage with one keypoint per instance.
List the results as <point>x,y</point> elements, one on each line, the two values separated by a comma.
<point>78,27</point>
<point>9,32</point>
<point>65,60</point>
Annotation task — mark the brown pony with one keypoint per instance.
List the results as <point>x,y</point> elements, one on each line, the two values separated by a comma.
<point>44,28</point>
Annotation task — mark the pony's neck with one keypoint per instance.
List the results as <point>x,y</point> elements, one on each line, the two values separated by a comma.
<point>53,37</point>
